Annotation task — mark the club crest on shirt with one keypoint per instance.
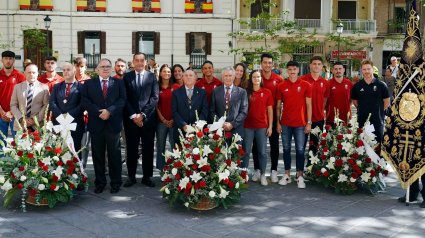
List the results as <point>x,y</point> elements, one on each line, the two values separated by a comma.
<point>161,91</point>
<point>321,85</point>
<point>261,94</point>
<point>299,89</point>
<point>215,86</point>
<point>274,83</point>
<point>286,90</point>
<point>203,87</point>
<point>335,88</point>
<point>374,88</point>
<point>172,89</point>
<point>362,90</point>
<point>346,86</point>
<point>1,81</point>
<point>13,80</point>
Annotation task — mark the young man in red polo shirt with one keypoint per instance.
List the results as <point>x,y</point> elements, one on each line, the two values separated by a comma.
<point>295,113</point>
<point>80,64</point>
<point>340,95</point>
<point>50,78</point>
<point>9,77</point>
<point>208,82</point>
<point>320,94</point>
<point>271,81</point>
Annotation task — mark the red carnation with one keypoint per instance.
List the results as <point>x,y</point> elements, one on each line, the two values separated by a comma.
<point>196,157</point>
<point>211,156</point>
<point>199,134</point>
<point>188,155</point>
<point>195,166</point>
<point>323,142</point>
<point>24,135</point>
<point>339,137</point>
<point>20,186</point>
<point>13,143</point>
<point>30,155</point>
<point>59,163</point>
<point>228,134</point>
<point>205,168</point>
<point>345,124</point>
<point>367,160</point>
<point>359,143</point>
<point>355,175</point>
<point>187,190</point>
<point>323,157</point>
<point>355,167</point>
<point>318,173</point>
<point>359,130</point>
<point>355,156</point>
<point>310,143</point>
<point>70,171</point>
<point>37,138</point>
<point>231,185</point>
<point>337,153</point>
<point>75,160</point>
<point>21,168</point>
<point>188,173</point>
<point>179,189</point>
<point>350,162</point>
<point>20,153</point>
<point>177,176</point>
<point>326,173</point>
<point>349,132</point>
<point>379,168</point>
<point>187,145</point>
<point>188,185</point>
<point>12,175</point>
<point>33,192</point>
<point>169,180</point>
<point>217,150</point>
<point>53,186</point>
<point>338,162</point>
<point>228,162</point>
<point>385,172</point>
<point>326,149</point>
<point>41,164</point>
<point>206,130</point>
<point>55,178</point>
<point>197,186</point>
<point>45,168</point>
<point>243,174</point>
<point>327,127</point>
<point>71,186</point>
<point>58,150</point>
<point>372,173</point>
<point>48,149</point>
<point>178,164</point>
<point>226,181</point>
<point>241,152</point>
<point>377,148</point>
<point>238,162</point>
<point>84,180</point>
<point>339,146</point>
<point>69,163</point>
<point>169,161</point>
<point>202,184</point>
<point>216,137</point>
<point>36,133</point>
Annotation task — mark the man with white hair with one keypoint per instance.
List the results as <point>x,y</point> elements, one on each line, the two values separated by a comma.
<point>230,100</point>
<point>393,67</point>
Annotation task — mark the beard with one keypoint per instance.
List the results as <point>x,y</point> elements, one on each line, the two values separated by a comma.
<point>8,67</point>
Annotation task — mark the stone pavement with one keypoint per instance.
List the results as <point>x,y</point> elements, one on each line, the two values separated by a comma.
<point>270,211</point>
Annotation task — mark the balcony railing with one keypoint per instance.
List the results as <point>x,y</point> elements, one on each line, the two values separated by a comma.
<point>351,26</point>
<point>396,27</point>
<point>260,24</point>
<point>198,59</point>
<point>92,60</point>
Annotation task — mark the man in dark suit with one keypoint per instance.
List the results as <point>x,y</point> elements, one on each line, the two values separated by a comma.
<point>185,101</point>
<point>104,98</point>
<point>66,100</point>
<point>231,100</point>
<point>140,119</point>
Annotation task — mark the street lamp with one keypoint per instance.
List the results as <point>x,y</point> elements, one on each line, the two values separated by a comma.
<point>339,29</point>
<point>47,22</point>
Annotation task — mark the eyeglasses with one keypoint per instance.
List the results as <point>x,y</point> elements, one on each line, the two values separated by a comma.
<point>105,67</point>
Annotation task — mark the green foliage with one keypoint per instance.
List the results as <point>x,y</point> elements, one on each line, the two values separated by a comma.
<point>9,195</point>
<point>348,42</point>
<point>34,39</point>
<point>3,46</point>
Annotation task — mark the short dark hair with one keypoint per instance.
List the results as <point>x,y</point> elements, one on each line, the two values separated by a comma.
<point>207,62</point>
<point>316,58</point>
<point>7,53</point>
<point>266,55</point>
<point>292,63</point>
<point>51,58</point>
<point>338,63</point>
<point>190,62</point>
<point>139,53</point>
<point>30,65</point>
<point>120,60</point>
<point>152,59</point>
<point>80,61</point>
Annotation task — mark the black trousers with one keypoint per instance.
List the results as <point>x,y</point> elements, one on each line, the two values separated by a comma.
<point>313,147</point>
<point>274,149</point>
<point>415,188</point>
<point>133,135</point>
<point>100,142</point>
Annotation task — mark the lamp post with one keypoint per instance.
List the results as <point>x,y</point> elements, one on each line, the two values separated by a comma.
<point>339,29</point>
<point>47,22</point>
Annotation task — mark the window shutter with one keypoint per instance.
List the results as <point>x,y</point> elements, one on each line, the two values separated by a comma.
<point>188,43</point>
<point>208,43</point>
<point>81,37</point>
<point>103,42</point>
<point>135,42</point>
<point>157,43</point>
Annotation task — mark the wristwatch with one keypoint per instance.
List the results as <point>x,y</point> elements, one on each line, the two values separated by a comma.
<point>310,122</point>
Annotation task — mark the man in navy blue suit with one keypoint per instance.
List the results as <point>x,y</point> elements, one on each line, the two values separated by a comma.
<point>104,98</point>
<point>231,100</point>
<point>140,119</point>
<point>185,101</point>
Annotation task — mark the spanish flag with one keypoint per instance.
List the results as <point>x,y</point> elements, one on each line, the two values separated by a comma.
<point>24,4</point>
<point>189,6</point>
<point>207,7</point>
<point>138,5</point>
<point>101,5</point>
<point>46,4</point>
<point>81,4</point>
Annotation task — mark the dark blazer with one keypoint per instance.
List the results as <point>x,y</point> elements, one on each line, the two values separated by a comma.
<point>238,107</point>
<point>73,105</point>
<point>146,101</point>
<point>180,111</point>
<point>93,101</point>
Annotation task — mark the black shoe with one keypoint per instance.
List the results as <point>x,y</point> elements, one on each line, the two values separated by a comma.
<point>403,199</point>
<point>115,189</point>
<point>80,187</point>
<point>148,182</point>
<point>99,189</point>
<point>130,182</point>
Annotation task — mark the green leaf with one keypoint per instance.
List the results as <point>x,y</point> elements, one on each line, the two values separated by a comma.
<point>326,183</point>
<point>338,188</point>
<point>61,198</point>
<point>9,195</point>
<point>51,199</point>
<point>224,204</point>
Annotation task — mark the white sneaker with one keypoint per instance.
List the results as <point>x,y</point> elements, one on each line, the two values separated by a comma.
<point>263,180</point>
<point>285,180</point>
<point>300,182</point>
<point>256,176</point>
<point>273,176</point>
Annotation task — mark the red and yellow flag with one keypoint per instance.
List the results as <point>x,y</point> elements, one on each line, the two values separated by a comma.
<point>101,5</point>
<point>189,6</point>
<point>207,7</point>
<point>81,4</point>
<point>138,5</point>
<point>24,4</point>
<point>46,4</point>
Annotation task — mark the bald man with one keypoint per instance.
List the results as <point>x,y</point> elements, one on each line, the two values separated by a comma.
<point>66,100</point>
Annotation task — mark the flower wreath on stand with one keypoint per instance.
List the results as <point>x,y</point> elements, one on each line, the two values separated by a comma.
<point>38,161</point>
<point>346,156</point>
<point>204,166</point>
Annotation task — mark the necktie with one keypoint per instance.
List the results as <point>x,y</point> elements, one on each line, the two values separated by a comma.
<point>68,90</point>
<point>29,99</point>
<point>105,88</point>
<point>227,97</point>
<point>189,96</point>
<point>139,83</point>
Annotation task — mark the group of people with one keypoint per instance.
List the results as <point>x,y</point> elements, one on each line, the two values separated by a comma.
<point>139,105</point>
